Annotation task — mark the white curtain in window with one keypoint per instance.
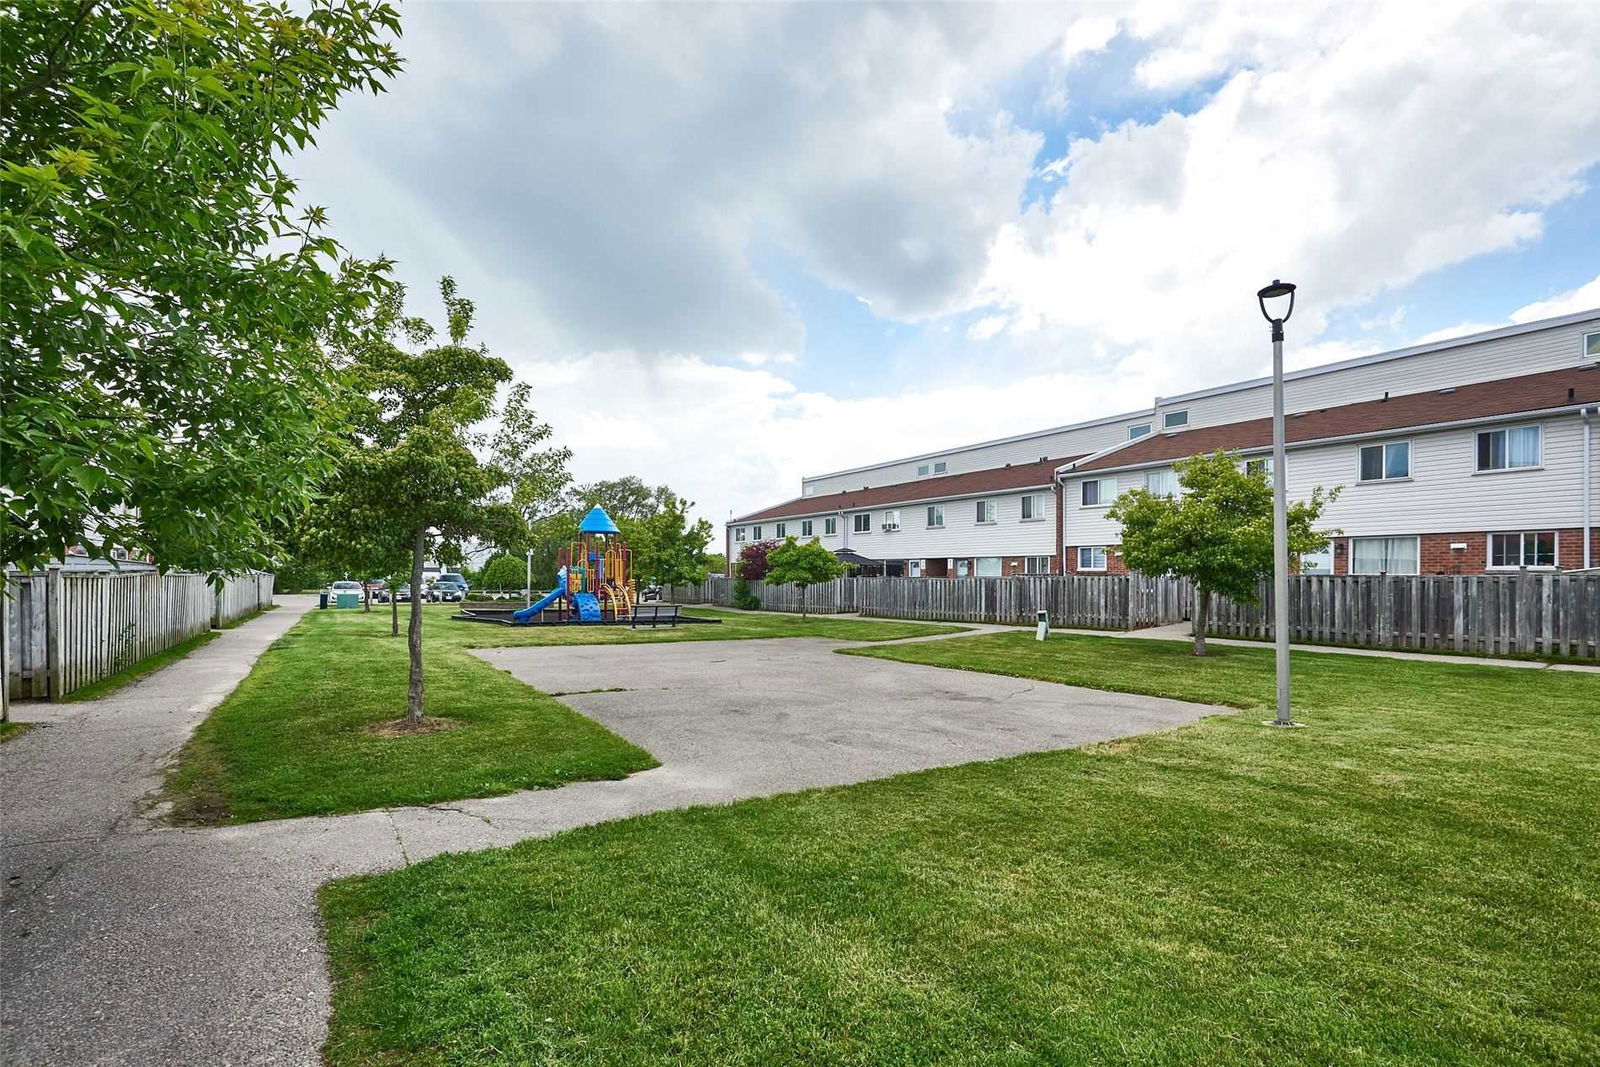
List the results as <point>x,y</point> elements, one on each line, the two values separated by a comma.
<point>1162,482</point>
<point>1522,447</point>
<point>988,566</point>
<point>1384,555</point>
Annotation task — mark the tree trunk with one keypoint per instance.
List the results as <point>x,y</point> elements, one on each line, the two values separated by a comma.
<point>1202,615</point>
<point>414,633</point>
<point>394,611</point>
<point>366,597</point>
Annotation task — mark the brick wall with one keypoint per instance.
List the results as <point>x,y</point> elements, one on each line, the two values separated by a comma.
<point>1114,563</point>
<point>1437,557</point>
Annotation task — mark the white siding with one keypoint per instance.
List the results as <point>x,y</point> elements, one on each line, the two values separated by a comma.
<point>961,535</point>
<point>1445,493</point>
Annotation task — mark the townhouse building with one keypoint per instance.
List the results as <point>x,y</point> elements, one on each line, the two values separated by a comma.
<point>1461,456</point>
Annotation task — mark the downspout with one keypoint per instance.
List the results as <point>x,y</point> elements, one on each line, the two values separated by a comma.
<point>1588,485</point>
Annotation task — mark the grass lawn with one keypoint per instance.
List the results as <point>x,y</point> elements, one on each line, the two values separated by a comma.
<point>294,738</point>
<point>11,729</point>
<point>1413,880</point>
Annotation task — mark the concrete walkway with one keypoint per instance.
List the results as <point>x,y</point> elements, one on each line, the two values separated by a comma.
<point>127,943</point>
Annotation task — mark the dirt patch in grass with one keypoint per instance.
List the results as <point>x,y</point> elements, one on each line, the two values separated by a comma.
<point>429,724</point>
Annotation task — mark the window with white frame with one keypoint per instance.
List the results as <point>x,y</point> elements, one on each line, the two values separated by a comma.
<point>830,527</point>
<point>1036,565</point>
<point>1098,491</point>
<point>1591,346</point>
<point>1386,462</point>
<point>1091,557</point>
<point>805,527</point>
<point>922,470</point>
<point>781,530</point>
<point>940,467</point>
<point>985,512</point>
<point>1034,507</point>
<point>891,518</point>
<point>1508,550</point>
<point>1163,482</point>
<point>755,531</point>
<point>862,521</point>
<point>987,567</point>
<point>738,533</point>
<point>1383,555</point>
<point>1509,449</point>
<point>935,516</point>
<point>1138,430</point>
<point>1261,466</point>
<point>1175,420</point>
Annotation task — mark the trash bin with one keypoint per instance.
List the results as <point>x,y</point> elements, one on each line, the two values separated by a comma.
<point>322,599</point>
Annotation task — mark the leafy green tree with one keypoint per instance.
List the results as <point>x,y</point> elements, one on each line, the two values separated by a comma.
<point>504,572</point>
<point>408,469</point>
<point>803,565</point>
<point>667,547</point>
<point>168,309</point>
<point>1217,532</point>
<point>624,498</point>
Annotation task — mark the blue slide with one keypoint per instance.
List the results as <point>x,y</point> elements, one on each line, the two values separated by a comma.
<point>529,613</point>
<point>588,606</point>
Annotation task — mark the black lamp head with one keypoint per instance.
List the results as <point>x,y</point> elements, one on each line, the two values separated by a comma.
<point>1276,291</point>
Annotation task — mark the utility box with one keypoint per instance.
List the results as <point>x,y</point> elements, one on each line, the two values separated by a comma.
<point>347,600</point>
<point>1044,626</point>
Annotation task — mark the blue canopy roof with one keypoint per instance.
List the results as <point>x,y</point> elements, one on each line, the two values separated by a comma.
<point>597,521</point>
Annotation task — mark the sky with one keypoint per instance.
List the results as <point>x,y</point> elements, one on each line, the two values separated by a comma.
<point>733,244</point>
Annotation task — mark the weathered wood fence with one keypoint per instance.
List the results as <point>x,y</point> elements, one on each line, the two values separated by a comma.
<point>1496,614</point>
<point>68,627</point>
<point>1107,602</point>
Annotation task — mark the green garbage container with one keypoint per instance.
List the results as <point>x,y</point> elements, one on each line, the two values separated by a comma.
<point>347,600</point>
<point>322,600</point>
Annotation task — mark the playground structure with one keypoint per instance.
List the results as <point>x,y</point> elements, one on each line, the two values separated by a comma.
<point>594,583</point>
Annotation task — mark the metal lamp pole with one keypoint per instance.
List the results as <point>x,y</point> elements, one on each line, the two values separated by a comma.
<point>1280,514</point>
<point>529,587</point>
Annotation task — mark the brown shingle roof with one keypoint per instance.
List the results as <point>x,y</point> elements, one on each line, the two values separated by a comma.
<point>1507,396</point>
<point>993,480</point>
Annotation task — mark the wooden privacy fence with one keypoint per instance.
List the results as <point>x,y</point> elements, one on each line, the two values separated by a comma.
<point>1496,614</point>
<point>1114,602</point>
<point>67,627</point>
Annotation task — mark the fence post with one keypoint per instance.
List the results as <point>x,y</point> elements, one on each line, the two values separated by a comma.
<point>54,634</point>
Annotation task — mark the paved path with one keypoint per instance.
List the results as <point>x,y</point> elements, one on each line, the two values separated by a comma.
<point>126,943</point>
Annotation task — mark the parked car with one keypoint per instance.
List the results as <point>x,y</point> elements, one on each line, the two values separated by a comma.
<point>345,594</point>
<point>649,593</point>
<point>403,595</point>
<point>451,587</point>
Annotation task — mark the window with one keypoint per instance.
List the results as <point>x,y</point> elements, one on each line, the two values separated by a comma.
<point>1319,562</point>
<point>922,470</point>
<point>781,530</point>
<point>1522,549</point>
<point>1383,555</point>
<point>1036,565</point>
<point>755,532</point>
<point>1033,507</point>
<point>1384,463</point>
<point>738,533</point>
<point>1175,420</point>
<point>891,518</point>
<point>963,568</point>
<point>862,521</point>
<point>1591,346</point>
<point>935,515</point>
<point>986,512</point>
<point>1162,482</point>
<point>805,527</point>
<point>1500,450</point>
<point>830,527</point>
<point>940,467</point>
<point>1262,467</point>
<point>988,567</point>
<point>1091,557</point>
<point>1098,491</point>
<point>1136,432</point>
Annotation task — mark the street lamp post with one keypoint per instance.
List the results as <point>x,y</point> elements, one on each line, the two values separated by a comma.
<point>1277,292</point>
<point>529,587</point>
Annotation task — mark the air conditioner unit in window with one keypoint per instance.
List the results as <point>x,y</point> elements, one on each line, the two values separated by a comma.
<point>891,527</point>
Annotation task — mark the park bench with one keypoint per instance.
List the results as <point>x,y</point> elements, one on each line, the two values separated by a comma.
<point>655,614</point>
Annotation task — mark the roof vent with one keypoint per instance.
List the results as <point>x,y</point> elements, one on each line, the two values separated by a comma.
<point>1448,391</point>
<point>1044,459</point>
<point>1572,394</point>
<point>1385,399</point>
<point>1008,464</point>
<point>1299,414</point>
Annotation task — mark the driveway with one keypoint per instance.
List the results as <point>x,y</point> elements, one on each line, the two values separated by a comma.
<point>126,943</point>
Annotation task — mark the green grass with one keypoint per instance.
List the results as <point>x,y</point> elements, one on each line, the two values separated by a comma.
<point>11,730</point>
<point>145,667</point>
<point>294,738</point>
<point>1413,880</point>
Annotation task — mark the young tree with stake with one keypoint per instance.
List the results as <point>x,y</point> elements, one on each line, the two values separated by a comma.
<point>802,565</point>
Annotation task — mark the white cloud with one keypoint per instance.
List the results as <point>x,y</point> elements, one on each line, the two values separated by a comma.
<point>1584,298</point>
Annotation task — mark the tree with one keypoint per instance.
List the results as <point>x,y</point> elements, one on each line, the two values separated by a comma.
<point>407,468</point>
<point>1217,532</point>
<point>668,548</point>
<point>803,565</point>
<point>751,566</point>
<point>169,311</point>
<point>504,572</point>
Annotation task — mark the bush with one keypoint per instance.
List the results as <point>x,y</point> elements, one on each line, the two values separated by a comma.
<point>743,598</point>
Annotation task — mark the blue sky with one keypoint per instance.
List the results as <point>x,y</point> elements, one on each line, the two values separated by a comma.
<point>823,234</point>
